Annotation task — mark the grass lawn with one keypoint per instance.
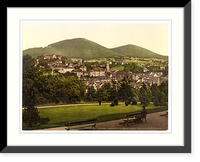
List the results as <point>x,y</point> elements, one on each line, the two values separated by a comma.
<point>59,116</point>
<point>118,67</point>
<point>64,103</point>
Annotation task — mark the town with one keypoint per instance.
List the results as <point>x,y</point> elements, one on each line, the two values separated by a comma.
<point>99,76</point>
<point>95,76</point>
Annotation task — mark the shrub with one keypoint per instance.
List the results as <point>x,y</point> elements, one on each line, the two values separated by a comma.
<point>112,104</point>
<point>31,116</point>
<point>162,102</point>
<point>41,100</point>
<point>156,102</point>
<point>134,103</point>
<point>144,103</point>
<point>129,100</point>
<point>115,101</point>
<point>126,102</point>
<point>44,120</point>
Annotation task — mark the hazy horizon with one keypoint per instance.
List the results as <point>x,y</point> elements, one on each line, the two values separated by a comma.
<point>152,36</point>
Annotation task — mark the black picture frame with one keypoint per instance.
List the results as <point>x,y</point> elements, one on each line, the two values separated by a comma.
<point>128,149</point>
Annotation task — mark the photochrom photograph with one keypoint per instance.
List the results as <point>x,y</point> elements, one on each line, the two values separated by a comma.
<point>95,75</point>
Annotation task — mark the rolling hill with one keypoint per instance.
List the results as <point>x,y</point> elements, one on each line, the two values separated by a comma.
<point>86,49</point>
<point>136,51</point>
<point>74,48</point>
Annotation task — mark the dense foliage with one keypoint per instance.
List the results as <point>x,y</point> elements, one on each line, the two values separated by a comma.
<point>133,68</point>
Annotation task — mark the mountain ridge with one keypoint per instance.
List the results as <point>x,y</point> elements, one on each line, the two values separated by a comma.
<point>136,51</point>
<point>86,49</point>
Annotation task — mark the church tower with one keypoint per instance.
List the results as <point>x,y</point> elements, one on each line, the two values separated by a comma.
<point>107,66</point>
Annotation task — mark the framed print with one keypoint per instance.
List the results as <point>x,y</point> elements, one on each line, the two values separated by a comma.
<point>99,80</point>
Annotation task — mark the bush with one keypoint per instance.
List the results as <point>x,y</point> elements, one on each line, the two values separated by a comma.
<point>129,100</point>
<point>134,103</point>
<point>112,104</point>
<point>144,103</point>
<point>162,102</point>
<point>156,102</point>
<point>31,116</point>
<point>126,102</point>
<point>41,100</point>
<point>44,120</point>
<point>116,101</point>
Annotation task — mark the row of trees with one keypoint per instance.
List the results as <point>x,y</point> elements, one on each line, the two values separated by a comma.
<point>156,94</point>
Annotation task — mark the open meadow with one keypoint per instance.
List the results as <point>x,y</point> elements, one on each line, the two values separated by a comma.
<point>59,116</point>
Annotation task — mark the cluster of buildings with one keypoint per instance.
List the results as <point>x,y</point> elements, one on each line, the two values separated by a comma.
<point>149,79</point>
<point>98,76</point>
<point>48,57</point>
<point>79,69</point>
<point>137,79</point>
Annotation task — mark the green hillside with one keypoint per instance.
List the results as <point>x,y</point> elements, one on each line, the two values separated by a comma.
<point>74,48</point>
<point>136,51</point>
<point>34,52</point>
<point>86,49</point>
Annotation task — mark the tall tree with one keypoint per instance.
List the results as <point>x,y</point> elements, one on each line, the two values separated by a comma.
<point>99,95</point>
<point>144,97</point>
<point>91,94</point>
<point>125,91</point>
<point>72,89</point>
<point>30,113</point>
<point>162,99</point>
<point>135,97</point>
<point>164,88</point>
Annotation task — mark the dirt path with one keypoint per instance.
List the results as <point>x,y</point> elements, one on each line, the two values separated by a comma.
<point>154,122</point>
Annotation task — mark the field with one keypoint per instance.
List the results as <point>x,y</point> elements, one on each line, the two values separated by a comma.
<point>59,116</point>
<point>118,67</point>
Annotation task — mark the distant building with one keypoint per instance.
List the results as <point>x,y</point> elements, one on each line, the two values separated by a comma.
<point>121,74</point>
<point>85,73</point>
<point>52,56</point>
<point>103,66</point>
<point>145,69</point>
<point>83,67</point>
<point>78,72</point>
<point>80,62</point>
<point>155,74</point>
<point>99,71</point>
<point>38,61</point>
<point>93,66</point>
<point>107,66</point>
<point>126,56</point>
<point>60,67</point>
<point>104,79</point>
<point>69,63</point>
<point>162,67</point>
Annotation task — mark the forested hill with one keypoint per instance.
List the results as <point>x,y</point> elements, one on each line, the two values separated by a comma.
<point>136,51</point>
<point>74,48</point>
<point>86,49</point>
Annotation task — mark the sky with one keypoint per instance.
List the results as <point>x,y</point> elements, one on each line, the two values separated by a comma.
<point>152,36</point>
